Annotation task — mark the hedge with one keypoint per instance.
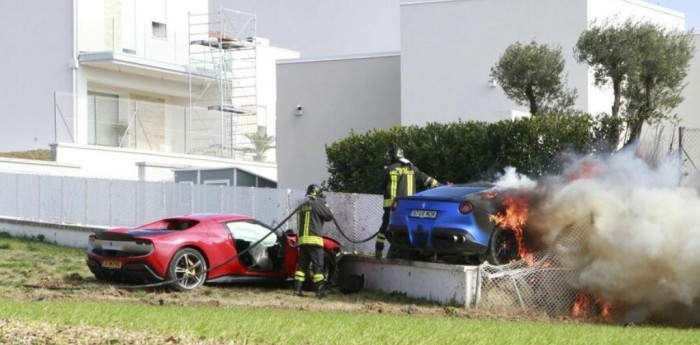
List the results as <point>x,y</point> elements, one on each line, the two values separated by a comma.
<point>469,151</point>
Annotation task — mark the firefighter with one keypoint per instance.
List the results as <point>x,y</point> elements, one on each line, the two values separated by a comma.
<point>312,214</point>
<point>399,178</point>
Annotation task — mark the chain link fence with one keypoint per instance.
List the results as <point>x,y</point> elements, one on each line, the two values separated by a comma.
<point>542,282</point>
<point>689,146</point>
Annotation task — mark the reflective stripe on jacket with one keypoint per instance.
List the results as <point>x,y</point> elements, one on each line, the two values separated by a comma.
<point>312,214</point>
<point>399,179</point>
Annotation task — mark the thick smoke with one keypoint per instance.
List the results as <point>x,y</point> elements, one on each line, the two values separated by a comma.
<point>628,228</point>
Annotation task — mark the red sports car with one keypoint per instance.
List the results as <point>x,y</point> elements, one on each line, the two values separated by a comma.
<point>187,251</point>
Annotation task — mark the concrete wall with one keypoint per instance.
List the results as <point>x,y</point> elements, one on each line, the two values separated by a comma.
<point>443,283</point>
<point>337,95</point>
<point>689,110</point>
<point>324,28</point>
<point>37,49</point>
<point>446,63</point>
<point>61,234</point>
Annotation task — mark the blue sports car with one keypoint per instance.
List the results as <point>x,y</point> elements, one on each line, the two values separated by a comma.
<point>451,224</point>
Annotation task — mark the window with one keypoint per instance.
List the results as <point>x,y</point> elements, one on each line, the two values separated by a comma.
<point>160,30</point>
<point>251,232</point>
<point>104,126</point>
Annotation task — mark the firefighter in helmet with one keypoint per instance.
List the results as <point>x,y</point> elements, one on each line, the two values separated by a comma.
<point>399,178</point>
<point>312,214</point>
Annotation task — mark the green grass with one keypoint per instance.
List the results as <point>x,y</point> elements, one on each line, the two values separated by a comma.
<point>44,155</point>
<point>265,326</point>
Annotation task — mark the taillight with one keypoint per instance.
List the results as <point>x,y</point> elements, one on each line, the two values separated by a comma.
<point>466,207</point>
<point>394,204</point>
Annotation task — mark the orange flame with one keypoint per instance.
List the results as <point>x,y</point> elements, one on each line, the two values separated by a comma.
<point>606,308</point>
<point>581,305</point>
<point>513,218</point>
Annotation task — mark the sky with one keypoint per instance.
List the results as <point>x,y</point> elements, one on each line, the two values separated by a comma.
<point>691,8</point>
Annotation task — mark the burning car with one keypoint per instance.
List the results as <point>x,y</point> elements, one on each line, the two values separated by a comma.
<point>185,252</point>
<point>465,224</point>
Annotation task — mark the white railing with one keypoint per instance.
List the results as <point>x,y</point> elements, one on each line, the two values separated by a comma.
<point>127,123</point>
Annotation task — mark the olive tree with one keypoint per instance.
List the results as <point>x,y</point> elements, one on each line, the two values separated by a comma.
<point>646,65</point>
<point>654,89</point>
<point>533,75</point>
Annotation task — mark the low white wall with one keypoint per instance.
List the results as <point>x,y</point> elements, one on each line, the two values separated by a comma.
<point>61,234</point>
<point>29,166</point>
<point>443,283</point>
<point>130,164</point>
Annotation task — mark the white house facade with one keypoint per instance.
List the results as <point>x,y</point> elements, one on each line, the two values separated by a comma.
<point>446,61</point>
<point>145,82</point>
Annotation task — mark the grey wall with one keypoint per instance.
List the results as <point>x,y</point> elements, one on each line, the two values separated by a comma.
<point>336,96</point>
<point>689,110</point>
<point>324,28</point>
<point>37,44</point>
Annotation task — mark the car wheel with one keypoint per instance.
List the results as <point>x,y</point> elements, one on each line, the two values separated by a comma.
<point>187,270</point>
<point>503,247</point>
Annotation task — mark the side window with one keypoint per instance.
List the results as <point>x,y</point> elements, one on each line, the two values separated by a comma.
<point>251,232</point>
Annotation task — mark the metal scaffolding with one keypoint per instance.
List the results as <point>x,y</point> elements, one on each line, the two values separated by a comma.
<point>222,81</point>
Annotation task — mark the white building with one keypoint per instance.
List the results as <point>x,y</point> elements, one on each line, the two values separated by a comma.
<point>447,50</point>
<point>108,83</point>
<point>133,89</point>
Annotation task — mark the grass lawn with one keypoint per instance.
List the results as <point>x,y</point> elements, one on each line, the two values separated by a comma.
<point>275,326</point>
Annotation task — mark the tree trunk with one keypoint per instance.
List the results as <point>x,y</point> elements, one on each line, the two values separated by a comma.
<point>533,101</point>
<point>617,85</point>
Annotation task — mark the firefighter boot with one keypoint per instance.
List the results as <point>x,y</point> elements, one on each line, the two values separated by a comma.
<point>320,289</point>
<point>298,287</point>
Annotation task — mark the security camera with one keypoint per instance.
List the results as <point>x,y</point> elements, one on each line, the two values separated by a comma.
<point>300,110</point>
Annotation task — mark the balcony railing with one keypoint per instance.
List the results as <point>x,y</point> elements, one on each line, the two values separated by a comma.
<point>128,123</point>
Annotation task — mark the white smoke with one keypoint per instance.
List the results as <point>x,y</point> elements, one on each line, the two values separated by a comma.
<point>515,180</point>
<point>640,236</point>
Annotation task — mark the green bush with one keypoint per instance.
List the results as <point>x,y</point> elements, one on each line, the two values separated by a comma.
<point>469,151</point>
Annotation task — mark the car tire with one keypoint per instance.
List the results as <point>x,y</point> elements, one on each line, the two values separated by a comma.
<point>503,247</point>
<point>187,270</point>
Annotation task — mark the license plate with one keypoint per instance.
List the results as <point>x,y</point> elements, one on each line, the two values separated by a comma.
<point>423,214</point>
<point>112,264</point>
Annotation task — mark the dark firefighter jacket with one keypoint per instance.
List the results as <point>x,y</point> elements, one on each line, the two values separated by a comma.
<point>312,214</point>
<point>401,179</point>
